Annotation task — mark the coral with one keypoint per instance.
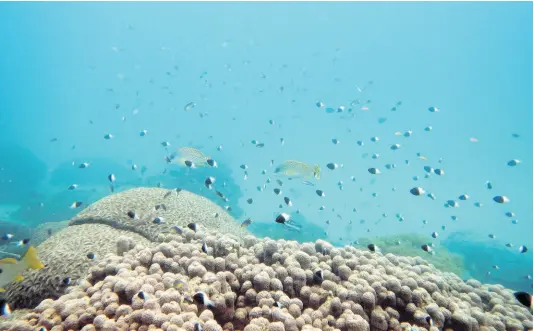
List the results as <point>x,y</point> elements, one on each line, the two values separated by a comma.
<point>180,208</point>
<point>270,285</point>
<point>65,255</point>
<point>46,230</point>
<point>409,244</point>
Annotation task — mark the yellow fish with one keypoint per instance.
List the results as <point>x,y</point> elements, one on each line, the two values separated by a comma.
<point>193,155</point>
<point>11,269</point>
<point>293,168</point>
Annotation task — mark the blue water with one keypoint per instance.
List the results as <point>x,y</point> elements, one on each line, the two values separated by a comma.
<point>73,63</point>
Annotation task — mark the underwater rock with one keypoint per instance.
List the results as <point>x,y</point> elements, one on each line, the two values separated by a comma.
<point>64,255</point>
<point>260,285</point>
<point>176,208</point>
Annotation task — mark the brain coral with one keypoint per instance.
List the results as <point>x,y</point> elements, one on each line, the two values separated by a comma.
<point>46,230</point>
<point>65,255</point>
<point>267,284</point>
<point>175,207</point>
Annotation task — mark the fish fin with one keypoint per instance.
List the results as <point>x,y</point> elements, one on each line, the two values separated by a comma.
<point>31,259</point>
<point>18,278</point>
<point>8,260</point>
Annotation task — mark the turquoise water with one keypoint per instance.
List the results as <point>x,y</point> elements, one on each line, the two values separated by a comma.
<point>244,64</point>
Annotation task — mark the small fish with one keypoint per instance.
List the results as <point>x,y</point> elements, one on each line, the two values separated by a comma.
<point>205,247</point>
<point>492,236</point>
<point>209,182</point>
<point>478,204</point>
<point>189,164</point>
<point>111,178</point>
<point>158,220</point>
<point>501,199</point>
<point>72,187</point>
<point>439,172</point>
<point>134,166</point>
<point>308,183</point>
<point>108,136</point>
<point>333,166</point>
<point>522,249</point>
<point>160,206</point>
<point>67,281</point>
<point>513,163</point>
<point>177,229</point>
<point>509,245</point>
<point>433,109</point>
<point>203,299</point>
<point>189,106</point>
<point>374,171</point>
<point>335,141</point>
<point>279,182</point>
<point>318,276</point>
<point>360,143</point>
<point>525,299</point>
<point>143,133</point>
<point>395,147</point>
<point>417,191</point>
<point>277,191</point>
<point>165,143</point>
<point>515,221</point>
<point>463,197</point>
<point>427,248</point>
<point>83,165</point>
<point>282,218</point>
<point>250,201</point>
<point>168,194</point>
<point>211,163</point>
<point>141,295</point>
<point>489,186</point>
<point>193,226</point>
<point>452,203</point>
<point>76,204</point>
<point>278,304</point>
<point>373,248</point>
<point>375,139</point>
<point>197,327</point>
<point>434,234</point>
<point>5,310</point>
<point>91,256</point>
<point>288,201</point>
<point>320,193</point>
<point>7,236</point>
<point>132,215</point>
<point>247,222</point>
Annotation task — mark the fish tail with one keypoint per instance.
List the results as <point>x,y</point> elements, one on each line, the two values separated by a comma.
<point>31,259</point>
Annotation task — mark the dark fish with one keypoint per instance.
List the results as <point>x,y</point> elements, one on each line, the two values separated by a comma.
<point>282,218</point>
<point>67,281</point>
<point>209,182</point>
<point>193,226</point>
<point>91,256</point>
<point>426,248</point>
<point>202,298</point>
<point>5,310</point>
<point>318,276</point>
<point>53,140</point>
<point>288,201</point>
<point>132,215</point>
<point>372,247</point>
<point>158,220</point>
<point>417,191</point>
<point>277,191</point>
<point>141,295</point>
<point>320,193</point>
<point>76,204</point>
<point>501,199</point>
<point>523,249</point>
<point>205,248</point>
<point>197,327</point>
<point>250,201</point>
<point>177,229</point>
<point>160,206</point>
<point>247,222</point>
<point>524,298</point>
<point>211,163</point>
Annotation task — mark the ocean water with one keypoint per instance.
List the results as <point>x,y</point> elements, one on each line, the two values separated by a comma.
<point>70,73</point>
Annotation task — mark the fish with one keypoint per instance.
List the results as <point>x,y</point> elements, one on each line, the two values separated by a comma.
<point>250,201</point>
<point>463,197</point>
<point>197,327</point>
<point>294,168</point>
<point>190,106</point>
<point>132,215</point>
<point>177,229</point>
<point>205,247</point>
<point>11,269</point>
<point>180,284</point>
<point>193,156</point>
<point>209,182</point>
<point>374,171</point>
<point>91,256</point>
<point>143,133</point>
<point>76,204</point>
<point>158,220</point>
<point>525,299</point>
<point>170,192</point>
<point>417,191</point>
<point>247,222</point>
<point>288,201</point>
<point>434,234</point>
<point>193,226</point>
<point>160,206</point>
<point>439,172</point>
<point>373,248</point>
<point>203,299</point>
<point>318,276</point>
<point>277,191</point>
<point>522,249</point>
<point>72,187</point>
<point>141,295</point>
<point>333,166</point>
<point>433,109</point>
<point>5,310</point>
<point>165,143</point>
<point>111,178</point>
<point>320,193</point>
<point>426,248</point>
<point>108,136</point>
<point>7,236</point>
<point>513,163</point>
<point>501,199</point>
<point>212,163</point>
<point>395,147</point>
<point>83,165</point>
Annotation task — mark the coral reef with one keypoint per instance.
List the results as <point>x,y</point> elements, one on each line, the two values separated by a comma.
<point>409,244</point>
<point>175,208</point>
<point>46,230</point>
<point>65,256</point>
<point>273,285</point>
